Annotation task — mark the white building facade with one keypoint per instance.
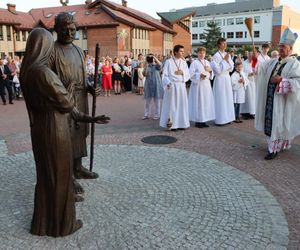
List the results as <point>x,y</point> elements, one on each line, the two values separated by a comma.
<point>270,19</point>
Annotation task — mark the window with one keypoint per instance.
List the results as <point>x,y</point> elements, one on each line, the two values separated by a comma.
<point>195,24</point>
<point>230,21</point>
<point>195,36</point>
<point>230,34</point>
<point>1,32</point>
<point>256,33</point>
<point>239,34</point>
<point>239,20</point>
<point>77,35</point>
<point>18,38</point>
<point>84,34</point>
<point>24,37</point>
<point>245,34</point>
<point>257,19</point>
<point>202,24</point>
<point>218,22</point>
<point>8,32</point>
<point>201,36</point>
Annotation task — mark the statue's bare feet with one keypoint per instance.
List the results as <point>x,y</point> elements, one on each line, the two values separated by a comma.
<point>77,187</point>
<point>78,198</point>
<point>77,225</point>
<point>84,173</point>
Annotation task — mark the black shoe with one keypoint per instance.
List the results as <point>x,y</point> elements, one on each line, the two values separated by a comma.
<point>174,129</point>
<point>4,103</point>
<point>205,125</point>
<point>181,128</point>
<point>251,117</point>
<point>11,103</point>
<point>198,125</point>
<point>270,156</point>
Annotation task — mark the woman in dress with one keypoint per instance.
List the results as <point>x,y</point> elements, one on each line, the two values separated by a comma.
<point>117,75</point>
<point>106,72</point>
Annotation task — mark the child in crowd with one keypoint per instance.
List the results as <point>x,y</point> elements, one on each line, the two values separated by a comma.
<point>239,82</point>
<point>141,80</point>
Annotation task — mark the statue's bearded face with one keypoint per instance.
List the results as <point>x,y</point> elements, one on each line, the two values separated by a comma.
<point>66,33</point>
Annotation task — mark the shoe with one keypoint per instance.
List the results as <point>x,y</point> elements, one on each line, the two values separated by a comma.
<point>78,198</point>
<point>251,117</point>
<point>4,103</point>
<point>236,121</point>
<point>198,125</point>
<point>105,94</point>
<point>181,128</point>
<point>11,103</point>
<point>205,125</point>
<point>145,117</point>
<point>270,156</point>
<point>155,118</point>
<point>174,129</point>
<point>109,94</point>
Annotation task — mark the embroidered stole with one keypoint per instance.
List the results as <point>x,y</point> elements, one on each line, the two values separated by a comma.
<point>270,97</point>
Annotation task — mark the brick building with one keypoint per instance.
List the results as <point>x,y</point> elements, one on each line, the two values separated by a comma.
<point>119,29</point>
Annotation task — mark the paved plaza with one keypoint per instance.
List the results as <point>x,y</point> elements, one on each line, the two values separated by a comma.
<point>211,189</point>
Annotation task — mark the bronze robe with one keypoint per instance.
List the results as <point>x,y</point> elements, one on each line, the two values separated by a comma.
<point>48,103</point>
<point>67,62</point>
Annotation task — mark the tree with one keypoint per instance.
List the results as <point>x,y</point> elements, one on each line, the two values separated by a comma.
<point>211,36</point>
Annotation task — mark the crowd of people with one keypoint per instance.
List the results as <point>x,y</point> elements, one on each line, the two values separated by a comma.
<point>9,79</point>
<point>219,88</point>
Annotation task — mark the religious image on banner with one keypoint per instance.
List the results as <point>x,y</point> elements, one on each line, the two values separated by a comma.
<point>123,40</point>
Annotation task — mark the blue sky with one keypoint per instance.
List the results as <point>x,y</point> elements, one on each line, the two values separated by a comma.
<point>150,7</point>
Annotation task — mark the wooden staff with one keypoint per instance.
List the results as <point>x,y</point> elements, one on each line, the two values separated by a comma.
<point>249,25</point>
<point>94,106</point>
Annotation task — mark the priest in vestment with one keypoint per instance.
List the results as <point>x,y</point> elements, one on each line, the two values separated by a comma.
<point>222,64</point>
<point>278,97</point>
<point>175,113</point>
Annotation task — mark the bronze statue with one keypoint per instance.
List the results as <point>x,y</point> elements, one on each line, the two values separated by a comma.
<point>49,105</point>
<point>68,63</point>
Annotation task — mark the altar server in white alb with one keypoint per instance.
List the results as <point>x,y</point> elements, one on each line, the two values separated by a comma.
<point>222,64</point>
<point>263,56</point>
<point>201,99</point>
<point>175,113</point>
<point>278,97</point>
<point>239,83</point>
<point>247,109</point>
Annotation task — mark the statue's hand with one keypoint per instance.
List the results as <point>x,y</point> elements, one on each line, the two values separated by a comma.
<point>94,91</point>
<point>101,119</point>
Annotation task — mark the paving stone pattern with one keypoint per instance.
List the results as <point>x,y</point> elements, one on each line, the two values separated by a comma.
<point>150,198</point>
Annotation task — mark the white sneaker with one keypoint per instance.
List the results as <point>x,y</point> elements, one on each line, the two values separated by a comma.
<point>155,118</point>
<point>145,117</point>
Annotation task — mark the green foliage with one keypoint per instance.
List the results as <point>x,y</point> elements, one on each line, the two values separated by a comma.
<point>211,36</point>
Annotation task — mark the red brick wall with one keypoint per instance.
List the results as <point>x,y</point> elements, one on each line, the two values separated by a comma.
<point>106,37</point>
<point>156,42</point>
<point>182,37</point>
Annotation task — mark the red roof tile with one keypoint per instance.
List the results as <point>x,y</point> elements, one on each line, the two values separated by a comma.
<point>21,19</point>
<point>133,22</point>
<point>133,13</point>
<point>84,16</point>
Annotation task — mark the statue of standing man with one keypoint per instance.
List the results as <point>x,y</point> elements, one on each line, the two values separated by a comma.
<point>68,63</point>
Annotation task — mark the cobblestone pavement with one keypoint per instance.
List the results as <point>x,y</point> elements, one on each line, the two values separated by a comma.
<point>236,147</point>
<point>173,200</point>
